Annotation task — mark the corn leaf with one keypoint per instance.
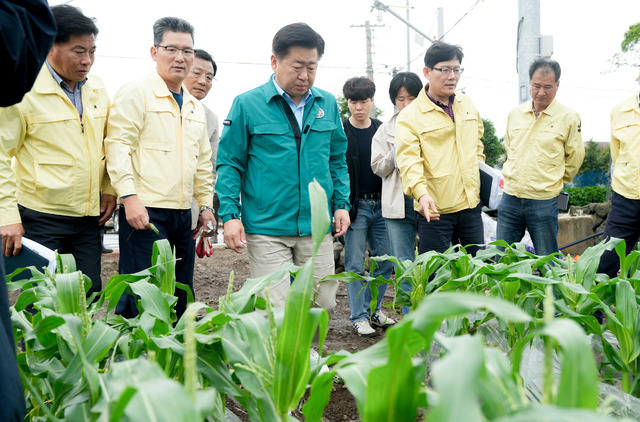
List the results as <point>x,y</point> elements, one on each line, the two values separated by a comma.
<point>152,300</point>
<point>320,219</point>
<point>395,398</point>
<point>318,397</point>
<point>455,379</point>
<point>68,293</point>
<point>552,413</point>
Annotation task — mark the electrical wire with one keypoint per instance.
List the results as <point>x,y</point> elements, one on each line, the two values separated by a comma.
<point>463,16</point>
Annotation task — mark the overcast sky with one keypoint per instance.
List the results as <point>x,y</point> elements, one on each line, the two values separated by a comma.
<point>238,34</point>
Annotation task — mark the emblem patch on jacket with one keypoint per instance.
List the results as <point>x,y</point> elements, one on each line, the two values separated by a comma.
<point>227,122</point>
<point>320,114</point>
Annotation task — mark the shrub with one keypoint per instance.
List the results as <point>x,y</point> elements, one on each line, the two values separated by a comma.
<point>586,195</point>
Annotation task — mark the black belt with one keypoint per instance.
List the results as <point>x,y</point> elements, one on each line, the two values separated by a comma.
<point>374,196</point>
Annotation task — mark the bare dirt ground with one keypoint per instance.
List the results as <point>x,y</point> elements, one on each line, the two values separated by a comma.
<point>210,282</point>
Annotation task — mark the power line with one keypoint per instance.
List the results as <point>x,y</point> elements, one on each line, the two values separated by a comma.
<point>463,16</point>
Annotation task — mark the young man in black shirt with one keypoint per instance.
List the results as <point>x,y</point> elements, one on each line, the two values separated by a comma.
<point>367,223</point>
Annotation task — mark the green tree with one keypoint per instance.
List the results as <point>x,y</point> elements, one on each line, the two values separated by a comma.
<point>595,158</point>
<point>630,48</point>
<point>493,147</point>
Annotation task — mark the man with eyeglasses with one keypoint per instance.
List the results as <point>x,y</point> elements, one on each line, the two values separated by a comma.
<point>544,152</point>
<point>438,145</point>
<point>199,82</point>
<point>158,157</point>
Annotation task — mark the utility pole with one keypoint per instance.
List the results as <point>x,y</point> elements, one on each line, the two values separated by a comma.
<point>408,42</point>
<point>367,27</point>
<point>529,40</point>
<point>385,8</point>
<point>440,23</point>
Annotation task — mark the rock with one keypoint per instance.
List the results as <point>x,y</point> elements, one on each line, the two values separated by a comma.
<point>597,221</point>
<point>602,210</point>
<point>576,210</point>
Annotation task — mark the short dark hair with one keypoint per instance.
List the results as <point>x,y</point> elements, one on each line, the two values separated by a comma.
<point>170,24</point>
<point>296,35</point>
<point>407,80</point>
<point>201,54</point>
<point>71,21</point>
<point>359,89</point>
<point>552,65</point>
<point>440,51</point>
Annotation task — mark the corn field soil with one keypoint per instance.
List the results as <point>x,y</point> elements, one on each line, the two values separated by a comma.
<point>211,277</point>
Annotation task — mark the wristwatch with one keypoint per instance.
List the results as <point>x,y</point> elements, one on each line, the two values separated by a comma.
<point>204,207</point>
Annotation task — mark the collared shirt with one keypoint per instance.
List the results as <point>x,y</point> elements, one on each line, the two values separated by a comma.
<point>74,95</point>
<point>298,109</point>
<point>544,153</point>
<point>447,108</point>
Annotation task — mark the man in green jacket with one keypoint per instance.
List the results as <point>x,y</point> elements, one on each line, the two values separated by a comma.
<point>277,139</point>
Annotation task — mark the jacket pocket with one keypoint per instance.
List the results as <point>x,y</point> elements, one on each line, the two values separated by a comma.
<point>55,181</point>
<point>160,173</point>
<point>626,172</point>
<point>436,143</point>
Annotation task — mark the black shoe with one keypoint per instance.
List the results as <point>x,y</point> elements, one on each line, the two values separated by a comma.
<point>106,250</point>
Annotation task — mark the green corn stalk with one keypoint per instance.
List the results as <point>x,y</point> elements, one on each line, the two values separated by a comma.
<point>547,375</point>
<point>189,359</point>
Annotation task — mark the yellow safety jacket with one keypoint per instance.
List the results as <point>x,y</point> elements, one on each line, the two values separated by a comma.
<point>625,148</point>
<point>543,154</point>
<point>440,158</point>
<point>59,165</point>
<point>157,151</point>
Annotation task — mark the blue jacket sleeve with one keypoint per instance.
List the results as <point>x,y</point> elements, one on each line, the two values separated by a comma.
<point>231,161</point>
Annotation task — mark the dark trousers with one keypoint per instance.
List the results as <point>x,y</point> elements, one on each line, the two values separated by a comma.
<point>462,227</point>
<point>624,223</point>
<point>12,405</point>
<point>78,236</point>
<point>136,250</point>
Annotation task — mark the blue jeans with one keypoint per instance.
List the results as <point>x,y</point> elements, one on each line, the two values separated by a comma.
<point>368,226</point>
<point>402,234</point>
<point>539,216</point>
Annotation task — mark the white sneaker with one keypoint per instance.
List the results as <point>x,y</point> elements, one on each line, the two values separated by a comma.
<point>364,329</point>
<point>379,319</point>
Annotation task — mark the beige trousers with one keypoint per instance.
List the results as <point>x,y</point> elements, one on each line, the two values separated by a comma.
<point>268,253</point>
